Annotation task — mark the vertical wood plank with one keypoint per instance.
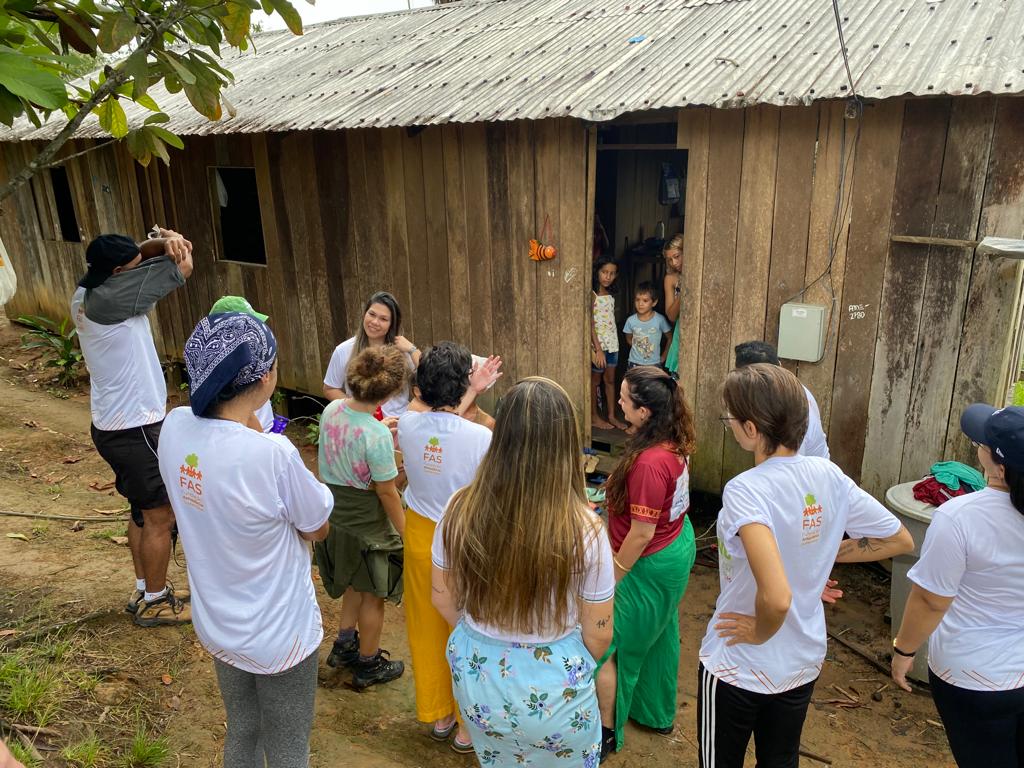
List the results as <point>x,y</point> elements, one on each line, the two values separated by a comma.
<point>437,234</point>
<point>398,236</point>
<point>945,287</point>
<point>550,315</point>
<point>723,193</point>
<point>828,233</point>
<point>798,133</point>
<point>874,169</point>
<point>582,290</point>
<point>995,281</point>
<point>753,247</point>
<point>521,152</point>
<point>503,298</point>
<point>462,310</point>
<point>416,226</point>
<point>570,263</point>
<point>334,205</point>
<point>922,144</point>
<point>693,136</point>
<point>478,237</point>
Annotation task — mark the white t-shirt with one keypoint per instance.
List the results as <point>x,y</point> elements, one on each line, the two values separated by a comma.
<point>974,552</point>
<point>597,586</point>
<point>265,416</point>
<point>240,498</point>
<point>814,443</point>
<point>441,452</point>
<point>808,503</point>
<point>335,378</point>
<point>126,384</point>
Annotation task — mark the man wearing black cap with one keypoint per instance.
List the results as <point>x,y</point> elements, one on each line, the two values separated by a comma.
<point>128,396</point>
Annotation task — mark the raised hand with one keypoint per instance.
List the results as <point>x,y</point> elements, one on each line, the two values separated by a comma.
<point>484,374</point>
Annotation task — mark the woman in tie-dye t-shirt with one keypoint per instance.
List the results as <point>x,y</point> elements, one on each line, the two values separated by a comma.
<point>361,558</point>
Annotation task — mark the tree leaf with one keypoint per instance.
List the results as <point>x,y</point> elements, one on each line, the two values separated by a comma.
<point>159,117</point>
<point>236,23</point>
<point>205,101</point>
<point>287,12</point>
<point>25,77</point>
<point>166,136</point>
<point>76,31</point>
<point>137,68</point>
<point>148,102</point>
<point>116,31</point>
<point>112,118</point>
<point>180,70</point>
<point>159,149</point>
<point>10,106</point>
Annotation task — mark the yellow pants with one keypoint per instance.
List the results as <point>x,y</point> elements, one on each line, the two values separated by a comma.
<point>427,630</point>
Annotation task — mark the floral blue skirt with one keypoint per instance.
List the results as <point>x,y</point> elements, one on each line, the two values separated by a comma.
<point>527,704</point>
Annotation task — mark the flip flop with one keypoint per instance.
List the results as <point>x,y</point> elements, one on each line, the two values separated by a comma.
<point>461,747</point>
<point>443,733</point>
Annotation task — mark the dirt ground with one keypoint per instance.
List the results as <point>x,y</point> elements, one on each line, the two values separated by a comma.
<point>163,679</point>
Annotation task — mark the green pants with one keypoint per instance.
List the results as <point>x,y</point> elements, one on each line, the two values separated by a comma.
<point>646,637</point>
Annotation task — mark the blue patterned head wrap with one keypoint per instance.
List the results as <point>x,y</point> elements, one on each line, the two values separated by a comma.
<point>226,350</point>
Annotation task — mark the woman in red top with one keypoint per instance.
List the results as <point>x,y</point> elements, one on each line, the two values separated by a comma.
<point>648,498</point>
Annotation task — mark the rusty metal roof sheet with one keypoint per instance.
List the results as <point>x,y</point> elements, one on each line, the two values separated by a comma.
<point>486,60</point>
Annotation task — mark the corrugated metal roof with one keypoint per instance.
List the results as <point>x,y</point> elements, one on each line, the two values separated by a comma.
<point>486,60</point>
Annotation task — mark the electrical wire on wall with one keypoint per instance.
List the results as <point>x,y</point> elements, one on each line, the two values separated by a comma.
<point>840,210</point>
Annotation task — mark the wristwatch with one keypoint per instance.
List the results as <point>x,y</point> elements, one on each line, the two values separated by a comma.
<point>898,652</point>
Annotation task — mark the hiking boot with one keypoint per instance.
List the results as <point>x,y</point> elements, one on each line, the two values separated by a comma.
<point>344,654</point>
<point>167,609</point>
<point>182,593</point>
<point>133,602</point>
<point>375,671</point>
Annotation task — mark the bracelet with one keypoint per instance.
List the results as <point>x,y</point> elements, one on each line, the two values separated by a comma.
<point>898,652</point>
<point>619,565</point>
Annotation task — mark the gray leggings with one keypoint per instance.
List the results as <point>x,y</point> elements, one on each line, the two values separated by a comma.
<point>268,715</point>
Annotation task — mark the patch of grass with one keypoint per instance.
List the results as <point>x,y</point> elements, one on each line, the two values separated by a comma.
<point>39,530</point>
<point>22,754</point>
<point>26,690</point>
<point>89,753</point>
<point>146,751</point>
<point>106,533</point>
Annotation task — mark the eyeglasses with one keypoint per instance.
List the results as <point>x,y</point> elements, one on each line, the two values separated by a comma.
<point>726,419</point>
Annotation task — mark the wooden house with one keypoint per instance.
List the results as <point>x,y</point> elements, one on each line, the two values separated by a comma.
<point>420,152</point>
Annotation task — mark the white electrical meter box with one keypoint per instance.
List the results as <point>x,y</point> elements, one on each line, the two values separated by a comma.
<point>802,332</point>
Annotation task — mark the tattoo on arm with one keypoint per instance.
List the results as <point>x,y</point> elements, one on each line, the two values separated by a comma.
<point>863,545</point>
<point>437,589</point>
<point>602,623</point>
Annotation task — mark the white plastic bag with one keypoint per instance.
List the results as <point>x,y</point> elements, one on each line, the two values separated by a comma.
<point>8,279</point>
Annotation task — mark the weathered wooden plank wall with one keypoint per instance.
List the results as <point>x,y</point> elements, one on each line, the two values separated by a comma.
<point>915,333</point>
<point>442,219</point>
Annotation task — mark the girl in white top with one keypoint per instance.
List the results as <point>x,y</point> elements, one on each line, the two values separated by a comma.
<point>779,533</point>
<point>380,325</point>
<point>968,595</point>
<point>442,451</point>
<point>524,568</point>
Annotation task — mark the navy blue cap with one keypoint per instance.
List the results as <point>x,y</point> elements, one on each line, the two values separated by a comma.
<point>104,255</point>
<point>1001,429</point>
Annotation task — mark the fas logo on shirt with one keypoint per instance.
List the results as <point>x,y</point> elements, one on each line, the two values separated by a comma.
<point>811,520</point>
<point>432,456</point>
<point>190,482</point>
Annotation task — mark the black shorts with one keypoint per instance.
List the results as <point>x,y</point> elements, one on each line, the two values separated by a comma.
<point>131,453</point>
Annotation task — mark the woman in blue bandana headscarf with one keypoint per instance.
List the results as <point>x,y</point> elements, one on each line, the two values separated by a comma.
<point>246,507</point>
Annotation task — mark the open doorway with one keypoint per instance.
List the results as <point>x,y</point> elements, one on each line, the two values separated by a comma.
<point>639,203</point>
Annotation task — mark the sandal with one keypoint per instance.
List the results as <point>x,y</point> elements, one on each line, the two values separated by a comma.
<point>442,734</point>
<point>462,747</point>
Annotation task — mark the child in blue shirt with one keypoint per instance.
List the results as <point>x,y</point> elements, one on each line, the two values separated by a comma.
<point>646,329</point>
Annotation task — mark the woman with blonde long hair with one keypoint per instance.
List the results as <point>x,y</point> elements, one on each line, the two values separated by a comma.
<point>523,568</point>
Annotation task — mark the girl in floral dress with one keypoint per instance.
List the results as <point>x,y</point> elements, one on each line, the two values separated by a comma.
<point>524,570</point>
